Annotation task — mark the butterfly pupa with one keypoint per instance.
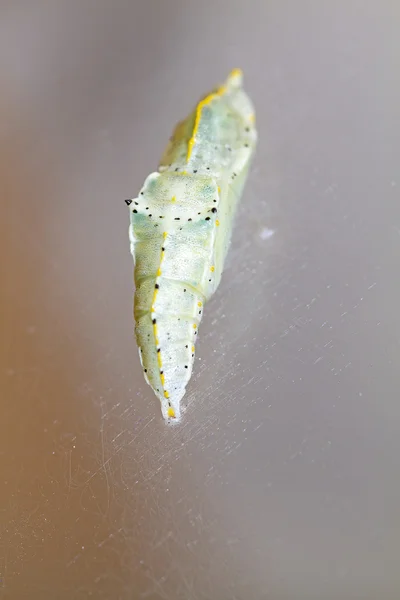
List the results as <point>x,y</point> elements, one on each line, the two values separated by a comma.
<point>180,230</point>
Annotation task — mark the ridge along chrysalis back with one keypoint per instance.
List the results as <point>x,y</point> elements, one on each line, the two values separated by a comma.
<point>180,229</point>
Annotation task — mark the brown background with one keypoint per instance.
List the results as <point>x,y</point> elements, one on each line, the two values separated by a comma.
<point>282,482</point>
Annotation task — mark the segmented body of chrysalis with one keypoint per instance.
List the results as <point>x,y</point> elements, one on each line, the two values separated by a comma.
<point>180,230</point>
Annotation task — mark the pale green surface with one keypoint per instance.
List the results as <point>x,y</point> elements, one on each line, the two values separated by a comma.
<point>181,225</point>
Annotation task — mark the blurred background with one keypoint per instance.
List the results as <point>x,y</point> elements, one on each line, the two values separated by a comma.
<point>282,480</point>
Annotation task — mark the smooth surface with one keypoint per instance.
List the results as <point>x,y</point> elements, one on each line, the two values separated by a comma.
<point>282,481</point>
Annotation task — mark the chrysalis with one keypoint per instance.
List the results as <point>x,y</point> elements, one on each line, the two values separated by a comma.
<point>180,229</point>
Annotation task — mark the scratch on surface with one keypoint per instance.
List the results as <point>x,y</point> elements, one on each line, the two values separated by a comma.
<point>140,431</point>
<point>103,461</point>
<point>162,540</point>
